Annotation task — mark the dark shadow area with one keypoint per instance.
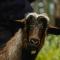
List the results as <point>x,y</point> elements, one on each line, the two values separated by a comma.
<point>31,1</point>
<point>7,30</point>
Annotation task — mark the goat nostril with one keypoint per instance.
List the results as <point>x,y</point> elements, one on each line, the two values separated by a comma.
<point>35,41</point>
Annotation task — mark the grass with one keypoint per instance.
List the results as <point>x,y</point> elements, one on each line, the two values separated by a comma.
<point>51,49</point>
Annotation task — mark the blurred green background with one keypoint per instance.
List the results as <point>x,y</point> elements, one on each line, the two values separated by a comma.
<point>51,48</point>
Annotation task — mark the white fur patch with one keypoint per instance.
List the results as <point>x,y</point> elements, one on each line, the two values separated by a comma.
<point>33,14</point>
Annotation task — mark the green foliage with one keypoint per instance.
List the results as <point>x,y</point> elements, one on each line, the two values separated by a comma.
<point>51,49</point>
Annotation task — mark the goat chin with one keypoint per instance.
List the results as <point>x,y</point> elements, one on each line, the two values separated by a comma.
<point>12,50</point>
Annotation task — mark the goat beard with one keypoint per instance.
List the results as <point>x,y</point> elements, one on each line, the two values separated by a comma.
<point>13,48</point>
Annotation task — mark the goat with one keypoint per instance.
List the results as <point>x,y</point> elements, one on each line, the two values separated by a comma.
<point>36,31</point>
<point>22,39</point>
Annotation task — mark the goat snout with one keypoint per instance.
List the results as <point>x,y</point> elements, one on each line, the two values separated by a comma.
<point>34,41</point>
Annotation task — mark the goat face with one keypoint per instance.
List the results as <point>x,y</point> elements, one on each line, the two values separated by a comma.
<point>36,27</point>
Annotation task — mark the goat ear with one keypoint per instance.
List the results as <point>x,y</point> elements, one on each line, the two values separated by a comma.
<point>21,21</point>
